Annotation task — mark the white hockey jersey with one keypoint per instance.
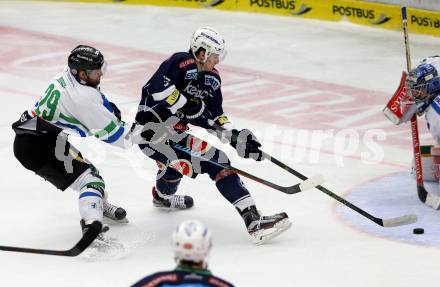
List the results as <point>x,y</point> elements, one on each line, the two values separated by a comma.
<point>432,114</point>
<point>82,110</point>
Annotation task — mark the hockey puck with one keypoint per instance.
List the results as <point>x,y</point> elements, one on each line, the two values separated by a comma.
<point>418,231</point>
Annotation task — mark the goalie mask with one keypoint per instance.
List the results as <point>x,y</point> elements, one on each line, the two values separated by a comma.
<point>423,82</point>
<point>210,40</point>
<point>192,242</point>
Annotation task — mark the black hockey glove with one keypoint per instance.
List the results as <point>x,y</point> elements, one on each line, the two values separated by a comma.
<point>195,112</point>
<point>246,144</point>
<point>116,111</point>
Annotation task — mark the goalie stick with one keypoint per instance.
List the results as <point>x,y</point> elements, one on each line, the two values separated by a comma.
<point>87,239</point>
<point>424,196</point>
<point>389,222</point>
<point>306,184</point>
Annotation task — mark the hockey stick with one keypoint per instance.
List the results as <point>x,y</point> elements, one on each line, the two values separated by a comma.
<point>424,196</point>
<point>390,222</point>
<point>87,239</point>
<point>307,184</point>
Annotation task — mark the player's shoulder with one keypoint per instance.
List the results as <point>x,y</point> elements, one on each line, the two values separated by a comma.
<point>212,78</point>
<point>79,93</point>
<point>158,279</point>
<point>88,95</point>
<point>184,60</point>
<point>218,282</point>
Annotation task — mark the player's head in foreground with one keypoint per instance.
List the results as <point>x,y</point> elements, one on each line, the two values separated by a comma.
<point>208,47</point>
<point>192,243</point>
<point>87,65</point>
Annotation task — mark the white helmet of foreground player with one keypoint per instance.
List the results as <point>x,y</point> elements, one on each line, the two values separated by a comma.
<point>192,242</point>
<point>210,40</point>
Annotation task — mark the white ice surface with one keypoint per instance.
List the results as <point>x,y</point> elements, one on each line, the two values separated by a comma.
<point>339,63</point>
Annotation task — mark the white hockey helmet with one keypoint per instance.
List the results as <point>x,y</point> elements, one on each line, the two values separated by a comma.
<point>191,241</point>
<point>210,40</point>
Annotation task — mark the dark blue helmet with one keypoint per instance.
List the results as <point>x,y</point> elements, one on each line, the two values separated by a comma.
<point>423,81</point>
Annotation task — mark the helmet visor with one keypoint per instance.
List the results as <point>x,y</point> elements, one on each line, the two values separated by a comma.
<point>101,71</point>
<point>220,56</point>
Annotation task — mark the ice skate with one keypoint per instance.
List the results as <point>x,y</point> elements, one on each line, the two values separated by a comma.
<point>264,228</point>
<point>115,213</point>
<point>102,243</point>
<point>172,202</point>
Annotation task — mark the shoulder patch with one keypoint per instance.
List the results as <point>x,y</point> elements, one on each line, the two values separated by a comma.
<point>212,81</point>
<point>185,63</point>
<point>191,74</point>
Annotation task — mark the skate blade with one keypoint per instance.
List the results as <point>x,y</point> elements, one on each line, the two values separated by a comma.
<point>262,236</point>
<point>110,221</point>
<point>105,245</point>
<point>168,209</point>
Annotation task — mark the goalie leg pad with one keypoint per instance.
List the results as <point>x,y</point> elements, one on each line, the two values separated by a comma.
<point>435,152</point>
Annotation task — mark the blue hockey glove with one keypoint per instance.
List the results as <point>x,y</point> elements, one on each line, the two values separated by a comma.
<point>195,112</point>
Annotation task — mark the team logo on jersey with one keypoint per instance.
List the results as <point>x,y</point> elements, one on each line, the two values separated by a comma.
<point>191,74</point>
<point>185,63</point>
<point>197,145</point>
<point>212,81</point>
<point>195,92</point>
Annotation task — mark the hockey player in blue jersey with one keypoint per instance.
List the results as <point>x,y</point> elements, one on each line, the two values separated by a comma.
<point>191,242</point>
<point>186,89</point>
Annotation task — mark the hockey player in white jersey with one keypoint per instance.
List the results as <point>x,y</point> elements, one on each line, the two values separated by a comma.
<point>424,83</point>
<point>423,98</point>
<point>73,103</point>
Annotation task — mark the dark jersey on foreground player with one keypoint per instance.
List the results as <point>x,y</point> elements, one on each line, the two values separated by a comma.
<point>186,88</point>
<point>191,242</point>
<point>182,276</point>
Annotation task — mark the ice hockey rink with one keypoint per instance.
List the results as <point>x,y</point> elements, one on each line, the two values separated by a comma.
<point>312,91</point>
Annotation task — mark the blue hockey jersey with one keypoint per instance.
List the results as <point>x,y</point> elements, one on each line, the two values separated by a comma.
<point>175,82</point>
<point>182,277</point>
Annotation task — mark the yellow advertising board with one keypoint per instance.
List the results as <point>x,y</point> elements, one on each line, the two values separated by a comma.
<point>358,12</point>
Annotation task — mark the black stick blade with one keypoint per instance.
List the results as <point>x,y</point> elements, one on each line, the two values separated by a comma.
<point>87,239</point>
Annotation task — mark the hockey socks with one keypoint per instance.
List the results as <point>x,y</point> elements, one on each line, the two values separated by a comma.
<point>232,188</point>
